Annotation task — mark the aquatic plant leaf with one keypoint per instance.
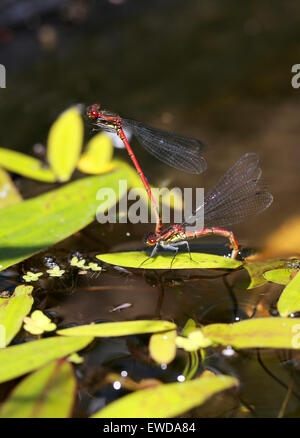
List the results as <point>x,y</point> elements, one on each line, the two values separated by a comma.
<point>257,269</point>
<point>9,194</point>
<point>256,333</point>
<point>162,347</point>
<point>64,143</point>
<point>135,259</point>
<point>32,225</point>
<point>124,328</point>
<point>46,393</point>
<point>25,165</point>
<point>289,300</point>
<point>194,341</point>
<point>20,359</point>
<point>189,327</point>
<point>98,155</point>
<point>169,400</point>
<point>280,276</point>
<point>38,323</point>
<point>130,384</point>
<point>12,312</point>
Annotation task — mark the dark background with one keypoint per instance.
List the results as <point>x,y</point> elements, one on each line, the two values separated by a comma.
<point>220,71</point>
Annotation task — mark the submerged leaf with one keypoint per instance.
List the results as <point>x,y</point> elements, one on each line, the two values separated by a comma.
<point>25,165</point>
<point>47,393</point>
<point>256,333</point>
<point>162,347</point>
<point>289,301</point>
<point>12,312</point>
<point>21,359</point>
<point>136,259</point>
<point>169,400</point>
<point>65,143</point>
<point>125,328</point>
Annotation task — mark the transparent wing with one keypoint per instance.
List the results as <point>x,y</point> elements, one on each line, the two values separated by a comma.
<point>177,151</point>
<point>236,196</point>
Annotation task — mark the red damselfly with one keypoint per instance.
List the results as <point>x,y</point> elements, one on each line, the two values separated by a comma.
<point>178,151</point>
<point>236,197</point>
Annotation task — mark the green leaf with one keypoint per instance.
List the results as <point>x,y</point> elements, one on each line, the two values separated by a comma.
<point>25,165</point>
<point>9,194</point>
<point>12,312</point>
<point>169,400</point>
<point>257,269</point>
<point>256,333</point>
<point>38,323</point>
<point>98,155</point>
<point>162,347</point>
<point>20,359</point>
<point>47,393</point>
<point>135,259</point>
<point>32,225</point>
<point>189,327</point>
<point>280,276</point>
<point>194,341</point>
<point>65,143</point>
<point>289,301</point>
<point>124,328</point>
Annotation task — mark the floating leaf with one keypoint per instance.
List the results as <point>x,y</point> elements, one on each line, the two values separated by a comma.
<point>194,341</point>
<point>38,323</point>
<point>31,276</point>
<point>98,155</point>
<point>280,276</point>
<point>162,347</point>
<point>65,143</point>
<point>78,263</point>
<point>47,393</point>
<point>25,165</point>
<point>9,194</point>
<point>289,301</point>
<point>257,269</point>
<point>28,227</point>
<point>169,400</point>
<point>21,359</point>
<point>12,312</point>
<point>124,328</point>
<point>256,333</point>
<point>135,259</point>
<point>56,271</point>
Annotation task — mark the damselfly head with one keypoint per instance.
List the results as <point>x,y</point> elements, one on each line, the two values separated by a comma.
<point>92,111</point>
<point>151,239</point>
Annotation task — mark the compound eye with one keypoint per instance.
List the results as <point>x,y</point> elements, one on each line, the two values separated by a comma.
<point>93,114</point>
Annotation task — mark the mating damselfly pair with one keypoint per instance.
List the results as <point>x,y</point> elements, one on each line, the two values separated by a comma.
<point>237,195</point>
